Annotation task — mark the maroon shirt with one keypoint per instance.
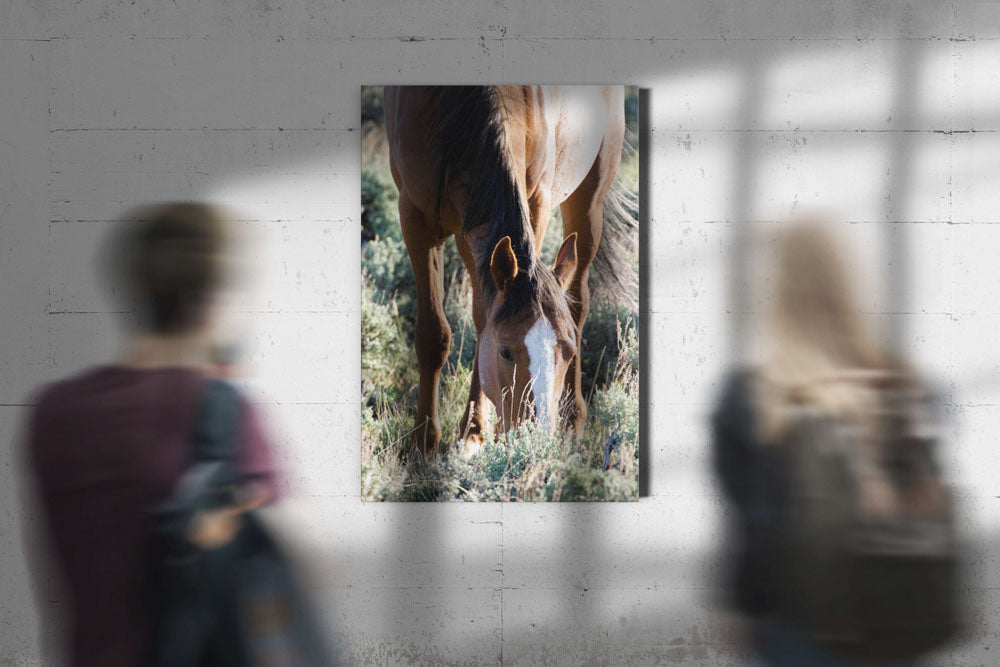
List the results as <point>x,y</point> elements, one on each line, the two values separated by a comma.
<point>105,447</point>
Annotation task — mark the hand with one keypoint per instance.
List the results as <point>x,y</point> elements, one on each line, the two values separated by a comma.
<point>214,529</point>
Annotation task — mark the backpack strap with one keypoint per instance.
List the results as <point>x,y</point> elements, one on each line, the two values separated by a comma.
<point>211,479</point>
<point>216,431</point>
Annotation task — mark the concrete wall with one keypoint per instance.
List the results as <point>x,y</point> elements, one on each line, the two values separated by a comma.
<point>886,112</point>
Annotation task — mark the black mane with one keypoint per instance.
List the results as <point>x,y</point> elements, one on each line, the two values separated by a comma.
<point>471,140</point>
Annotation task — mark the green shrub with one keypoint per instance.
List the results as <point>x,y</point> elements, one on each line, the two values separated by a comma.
<point>617,410</point>
<point>574,480</point>
<point>379,202</point>
<point>603,343</point>
<point>385,354</point>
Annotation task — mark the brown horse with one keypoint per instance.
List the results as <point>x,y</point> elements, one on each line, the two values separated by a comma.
<point>486,164</point>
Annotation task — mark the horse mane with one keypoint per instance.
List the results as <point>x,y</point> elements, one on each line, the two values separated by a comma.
<point>470,139</point>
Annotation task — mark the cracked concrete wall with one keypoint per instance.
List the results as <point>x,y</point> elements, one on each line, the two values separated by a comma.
<point>885,112</point>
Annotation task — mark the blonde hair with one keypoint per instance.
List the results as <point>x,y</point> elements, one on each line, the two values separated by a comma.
<point>818,337</point>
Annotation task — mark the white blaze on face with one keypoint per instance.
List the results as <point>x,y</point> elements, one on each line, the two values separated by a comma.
<point>541,344</point>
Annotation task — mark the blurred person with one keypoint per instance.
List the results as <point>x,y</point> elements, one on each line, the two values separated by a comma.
<point>843,528</point>
<point>107,446</point>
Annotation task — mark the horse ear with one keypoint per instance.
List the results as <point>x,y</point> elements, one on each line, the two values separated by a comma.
<point>503,264</point>
<point>565,266</point>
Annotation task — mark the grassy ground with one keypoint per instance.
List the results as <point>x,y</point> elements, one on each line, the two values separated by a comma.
<point>524,464</point>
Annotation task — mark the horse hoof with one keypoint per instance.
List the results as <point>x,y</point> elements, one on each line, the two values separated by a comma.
<point>576,423</point>
<point>473,445</point>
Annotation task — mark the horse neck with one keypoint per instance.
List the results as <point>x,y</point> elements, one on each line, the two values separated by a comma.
<point>483,239</point>
<point>480,142</point>
<point>509,217</point>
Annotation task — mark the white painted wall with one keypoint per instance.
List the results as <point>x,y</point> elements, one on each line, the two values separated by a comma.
<point>887,112</point>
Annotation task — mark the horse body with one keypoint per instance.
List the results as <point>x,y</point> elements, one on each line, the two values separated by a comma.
<point>486,165</point>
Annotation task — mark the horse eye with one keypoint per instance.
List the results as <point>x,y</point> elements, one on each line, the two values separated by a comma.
<point>506,354</point>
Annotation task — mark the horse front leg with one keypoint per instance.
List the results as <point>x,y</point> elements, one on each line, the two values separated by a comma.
<point>581,214</point>
<point>473,424</point>
<point>432,335</point>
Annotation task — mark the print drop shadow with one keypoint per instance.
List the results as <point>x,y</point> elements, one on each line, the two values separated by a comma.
<point>645,463</point>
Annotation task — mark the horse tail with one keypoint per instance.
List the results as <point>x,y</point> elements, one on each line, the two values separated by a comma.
<point>614,276</point>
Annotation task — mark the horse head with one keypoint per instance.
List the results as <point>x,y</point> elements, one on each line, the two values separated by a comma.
<point>529,340</point>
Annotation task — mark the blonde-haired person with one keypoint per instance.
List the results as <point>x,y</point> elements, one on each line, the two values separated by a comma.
<point>819,353</point>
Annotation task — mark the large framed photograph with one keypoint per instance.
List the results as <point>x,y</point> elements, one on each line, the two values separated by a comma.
<point>500,259</point>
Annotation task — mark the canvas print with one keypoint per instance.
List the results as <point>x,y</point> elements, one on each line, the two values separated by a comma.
<point>500,260</point>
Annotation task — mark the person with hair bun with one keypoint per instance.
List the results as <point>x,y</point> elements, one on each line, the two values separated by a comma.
<point>826,454</point>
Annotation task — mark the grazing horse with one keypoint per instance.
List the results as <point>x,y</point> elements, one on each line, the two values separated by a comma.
<point>486,164</point>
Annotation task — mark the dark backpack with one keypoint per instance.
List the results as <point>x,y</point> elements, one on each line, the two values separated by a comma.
<point>237,605</point>
<point>871,569</point>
